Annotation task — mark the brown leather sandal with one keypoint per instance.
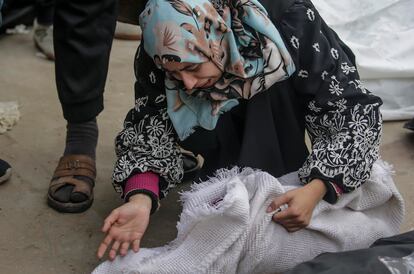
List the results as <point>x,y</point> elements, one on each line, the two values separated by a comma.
<point>70,166</point>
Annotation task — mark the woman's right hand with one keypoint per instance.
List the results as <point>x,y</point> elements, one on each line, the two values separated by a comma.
<point>125,226</point>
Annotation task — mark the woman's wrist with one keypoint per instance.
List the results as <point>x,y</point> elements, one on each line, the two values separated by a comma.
<point>145,184</point>
<point>319,187</point>
<point>141,199</point>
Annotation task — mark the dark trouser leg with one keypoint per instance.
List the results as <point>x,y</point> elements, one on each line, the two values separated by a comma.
<point>83,32</point>
<point>44,11</point>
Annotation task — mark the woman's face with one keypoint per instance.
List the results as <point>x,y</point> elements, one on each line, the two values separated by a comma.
<point>194,76</point>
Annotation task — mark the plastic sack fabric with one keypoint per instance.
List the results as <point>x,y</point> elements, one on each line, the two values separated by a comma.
<point>224,227</point>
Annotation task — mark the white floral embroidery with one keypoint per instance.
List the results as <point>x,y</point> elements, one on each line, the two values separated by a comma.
<point>358,138</point>
<point>338,157</point>
<point>316,47</point>
<point>152,77</point>
<point>155,127</point>
<point>124,163</point>
<point>358,85</point>
<point>340,104</point>
<point>311,14</point>
<point>148,145</point>
<point>295,42</point>
<point>358,122</point>
<point>160,98</point>
<point>141,102</point>
<point>164,115</point>
<point>303,74</point>
<point>136,62</point>
<point>346,69</point>
<point>334,87</point>
<point>161,146</point>
<point>334,53</point>
<point>340,139</point>
<point>312,106</point>
<point>128,136</point>
<point>344,144</point>
<point>324,74</point>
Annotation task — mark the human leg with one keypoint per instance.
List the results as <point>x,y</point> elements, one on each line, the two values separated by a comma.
<point>83,32</point>
<point>83,42</point>
<point>44,11</point>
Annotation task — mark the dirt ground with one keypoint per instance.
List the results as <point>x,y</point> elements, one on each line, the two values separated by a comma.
<point>36,239</point>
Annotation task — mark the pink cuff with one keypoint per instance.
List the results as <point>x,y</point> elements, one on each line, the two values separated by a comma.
<point>338,190</point>
<point>147,180</point>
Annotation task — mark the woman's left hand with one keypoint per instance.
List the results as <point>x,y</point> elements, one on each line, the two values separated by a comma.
<point>301,203</point>
<point>125,226</point>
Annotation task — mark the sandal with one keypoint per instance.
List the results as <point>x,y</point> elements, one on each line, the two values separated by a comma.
<point>70,170</point>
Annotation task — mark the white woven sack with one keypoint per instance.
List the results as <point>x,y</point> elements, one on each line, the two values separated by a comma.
<point>224,227</point>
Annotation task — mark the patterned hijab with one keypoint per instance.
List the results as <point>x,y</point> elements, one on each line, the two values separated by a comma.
<point>236,35</point>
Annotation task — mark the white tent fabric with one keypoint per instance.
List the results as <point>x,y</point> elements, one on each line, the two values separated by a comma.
<point>224,227</point>
<point>381,34</point>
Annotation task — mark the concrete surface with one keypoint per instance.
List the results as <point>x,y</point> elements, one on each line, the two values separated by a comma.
<point>36,239</point>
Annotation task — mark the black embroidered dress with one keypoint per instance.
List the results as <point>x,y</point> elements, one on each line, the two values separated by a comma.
<point>324,96</point>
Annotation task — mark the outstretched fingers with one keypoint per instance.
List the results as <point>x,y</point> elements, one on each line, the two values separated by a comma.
<point>135,245</point>
<point>110,220</point>
<point>114,250</point>
<point>104,246</point>
<point>124,248</point>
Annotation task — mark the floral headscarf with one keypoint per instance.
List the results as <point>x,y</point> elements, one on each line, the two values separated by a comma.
<point>236,35</point>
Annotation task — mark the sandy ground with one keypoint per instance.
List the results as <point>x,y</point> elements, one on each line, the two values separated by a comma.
<point>36,239</point>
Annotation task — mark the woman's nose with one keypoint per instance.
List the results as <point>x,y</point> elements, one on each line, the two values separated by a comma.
<point>188,80</point>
